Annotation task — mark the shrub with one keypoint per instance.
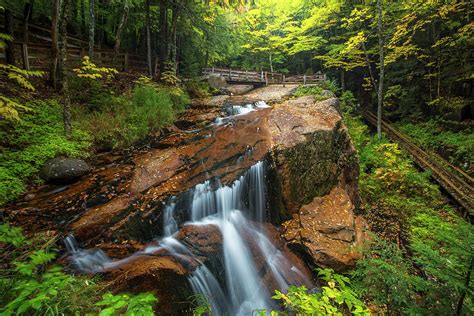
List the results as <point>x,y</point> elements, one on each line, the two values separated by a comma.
<point>403,207</point>
<point>348,102</point>
<point>315,91</point>
<point>335,298</point>
<point>125,121</point>
<point>197,89</point>
<point>457,146</point>
<point>30,285</point>
<point>28,143</point>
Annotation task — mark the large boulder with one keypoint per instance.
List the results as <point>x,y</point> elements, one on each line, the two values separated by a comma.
<point>217,82</point>
<point>313,181</point>
<point>327,230</point>
<point>311,153</point>
<point>63,170</point>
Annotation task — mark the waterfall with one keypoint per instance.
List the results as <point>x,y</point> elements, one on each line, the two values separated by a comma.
<point>236,210</point>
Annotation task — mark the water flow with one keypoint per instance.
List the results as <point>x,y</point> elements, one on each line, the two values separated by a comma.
<point>236,210</point>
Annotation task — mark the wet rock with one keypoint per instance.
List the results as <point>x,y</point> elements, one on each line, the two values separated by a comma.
<point>161,275</point>
<point>63,170</point>
<point>311,152</point>
<point>327,231</point>
<point>239,89</point>
<point>202,240</point>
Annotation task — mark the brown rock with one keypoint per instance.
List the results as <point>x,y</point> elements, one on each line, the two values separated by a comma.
<point>161,275</point>
<point>327,231</point>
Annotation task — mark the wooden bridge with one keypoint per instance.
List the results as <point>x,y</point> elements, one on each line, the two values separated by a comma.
<point>238,76</point>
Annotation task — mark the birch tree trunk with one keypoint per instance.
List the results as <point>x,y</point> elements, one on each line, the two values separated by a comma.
<point>54,44</point>
<point>91,27</point>
<point>63,68</point>
<point>381,77</point>
<point>163,49</point>
<point>174,39</point>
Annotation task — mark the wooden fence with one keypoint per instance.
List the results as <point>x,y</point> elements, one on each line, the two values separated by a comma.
<point>38,57</point>
<point>247,76</point>
<point>36,53</point>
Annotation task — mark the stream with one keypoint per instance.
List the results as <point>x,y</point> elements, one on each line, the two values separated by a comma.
<point>232,282</point>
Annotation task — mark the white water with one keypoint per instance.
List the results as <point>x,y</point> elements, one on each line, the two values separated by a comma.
<point>229,208</point>
<point>237,110</point>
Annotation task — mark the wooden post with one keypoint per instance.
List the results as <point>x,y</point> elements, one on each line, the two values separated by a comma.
<point>266,78</point>
<point>246,74</point>
<point>284,81</point>
<point>26,62</point>
<point>212,69</point>
<point>230,73</point>
<point>125,61</point>
<point>304,79</point>
<point>261,76</point>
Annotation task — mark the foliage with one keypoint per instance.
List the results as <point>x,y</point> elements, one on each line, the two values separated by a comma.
<point>422,262</point>
<point>348,102</point>
<point>386,278</point>
<point>336,297</point>
<point>30,285</point>
<point>457,145</point>
<point>125,121</point>
<point>124,304</point>
<point>89,70</point>
<point>11,78</point>
<point>197,89</point>
<point>168,77</point>
<point>321,92</point>
<point>201,305</point>
<point>28,143</point>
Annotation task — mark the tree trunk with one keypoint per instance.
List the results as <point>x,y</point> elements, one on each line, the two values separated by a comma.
<point>343,79</point>
<point>91,27</point>
<point>148,38</point>
<point>83,18</point>
<point>381,77</point>
<point>120,27</point>
<point>63,68</point>
<point>367,62</point>
<point>28,10</point>
<point>54,45</point>
<point>163,50</point>
<point>271,61</point>
<point>174,38</point>
<point>10,49</point>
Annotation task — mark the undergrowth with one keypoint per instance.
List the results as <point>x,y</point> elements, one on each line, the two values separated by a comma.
<point>26,144</point>
<point>102,120</point>
<point>421,255</point>
<point>456,146</point>
<point>31,284</point>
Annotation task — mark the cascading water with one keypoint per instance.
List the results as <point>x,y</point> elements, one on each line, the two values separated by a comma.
<point>237,210</point>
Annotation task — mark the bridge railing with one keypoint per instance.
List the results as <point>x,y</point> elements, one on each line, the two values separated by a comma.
<point>239,75</point>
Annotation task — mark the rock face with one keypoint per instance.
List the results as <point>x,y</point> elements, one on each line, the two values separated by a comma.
<point>217,81</point>
<point>63,170</point>
<point>327,231</point>
<point>311,189</point>
<point>313,181</point>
